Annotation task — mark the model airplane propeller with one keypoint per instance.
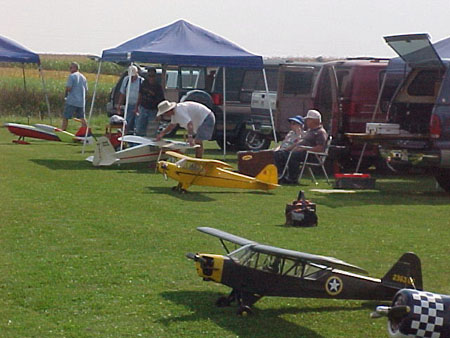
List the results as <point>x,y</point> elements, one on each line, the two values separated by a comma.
<point>213,173</point>
<point>255,270</point>
<point>415,313</point>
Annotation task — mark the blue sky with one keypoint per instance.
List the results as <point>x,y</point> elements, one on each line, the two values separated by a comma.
<point>329,28</point>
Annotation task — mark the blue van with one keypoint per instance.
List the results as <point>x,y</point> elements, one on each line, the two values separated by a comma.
<point>421,107</point>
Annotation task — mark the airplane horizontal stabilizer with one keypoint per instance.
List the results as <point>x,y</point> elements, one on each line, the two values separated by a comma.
<point>269,174</point>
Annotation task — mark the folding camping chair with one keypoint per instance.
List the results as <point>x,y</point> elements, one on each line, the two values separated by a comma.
<point>316,159</point>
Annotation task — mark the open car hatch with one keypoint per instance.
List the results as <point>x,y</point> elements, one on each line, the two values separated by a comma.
<point>416,50</point>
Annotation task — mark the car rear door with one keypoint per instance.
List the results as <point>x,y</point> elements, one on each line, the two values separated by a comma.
<point>416,50</point>
<point>294,97</point>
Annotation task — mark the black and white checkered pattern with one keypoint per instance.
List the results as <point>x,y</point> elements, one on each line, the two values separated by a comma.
<point>428,314</point>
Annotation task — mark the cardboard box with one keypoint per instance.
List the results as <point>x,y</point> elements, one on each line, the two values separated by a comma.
<point>382,128</point>
<point>354,181</point>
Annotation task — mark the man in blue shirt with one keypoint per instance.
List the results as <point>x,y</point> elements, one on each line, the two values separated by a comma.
<point>136,81</point>
<point>75,96</point>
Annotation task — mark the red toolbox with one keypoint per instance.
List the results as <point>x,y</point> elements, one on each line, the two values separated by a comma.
<point>354,181</point>
<point>252,162</point>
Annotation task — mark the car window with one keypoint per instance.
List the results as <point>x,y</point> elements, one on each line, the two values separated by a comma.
<point>171,79</point>
<point>445,91</point>
<point>254,80</point>
<point>424,83</point>
<point>343,78</point>
<point>297,83</point>
<point>192,78</point>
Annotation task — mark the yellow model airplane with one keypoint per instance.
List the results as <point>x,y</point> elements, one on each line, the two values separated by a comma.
<point>195,171</point>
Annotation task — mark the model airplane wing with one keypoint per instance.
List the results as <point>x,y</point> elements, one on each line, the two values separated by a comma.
<point>225,236</point>
<point>169,144</point>
<point>201,161</point>
<point>309,258</point>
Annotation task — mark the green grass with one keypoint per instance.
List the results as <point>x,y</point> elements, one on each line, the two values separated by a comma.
<point>99,252</point>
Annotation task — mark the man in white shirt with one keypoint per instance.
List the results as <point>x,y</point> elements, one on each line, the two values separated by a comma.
<point>195,117</point>
<point>135,84</point>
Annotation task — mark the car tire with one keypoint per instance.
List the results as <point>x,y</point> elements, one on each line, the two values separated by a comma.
<point>230,145</point>
<point>251,140</point>
<point>443,178</point>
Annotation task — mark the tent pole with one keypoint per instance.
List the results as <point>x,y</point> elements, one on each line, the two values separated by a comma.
<point>24,81</point>
<point>270,106</point>
<point>41,73</point>
<point>126,106</point>
<point>224,113</point>
<point>92,105</point>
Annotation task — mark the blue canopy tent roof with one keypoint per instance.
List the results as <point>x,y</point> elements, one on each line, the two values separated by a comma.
<point>182,43</point>
<point>398,66</point>
<point>11,51</point>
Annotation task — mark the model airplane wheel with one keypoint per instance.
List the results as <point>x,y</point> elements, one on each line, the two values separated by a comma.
<point>223,302</point>
<point>244,310</point>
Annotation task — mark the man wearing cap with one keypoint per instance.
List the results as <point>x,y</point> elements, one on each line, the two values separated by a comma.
<point>135,84</point>
<point>195,117</point>
<point>281,153</point>
<point>314,139</point>
<point>150,95</point>
<point>75,96</point>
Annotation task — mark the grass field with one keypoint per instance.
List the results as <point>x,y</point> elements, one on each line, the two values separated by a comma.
<point>99,252</point>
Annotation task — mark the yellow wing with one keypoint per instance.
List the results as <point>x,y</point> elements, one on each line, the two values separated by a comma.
<point>203,162</point>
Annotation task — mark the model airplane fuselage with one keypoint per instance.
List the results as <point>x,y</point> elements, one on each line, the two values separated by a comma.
<point>256,270</point>
<point>213,173</point>
<point>146,150</point>
<point>42,132</point>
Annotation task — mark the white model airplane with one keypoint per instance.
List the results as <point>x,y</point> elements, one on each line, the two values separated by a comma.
<point>147,150</point>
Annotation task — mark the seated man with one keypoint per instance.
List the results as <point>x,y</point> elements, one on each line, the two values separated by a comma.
<point>314,139</point>
<point>281,153</point>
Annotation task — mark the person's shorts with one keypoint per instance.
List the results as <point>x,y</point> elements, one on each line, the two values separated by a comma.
<point>206,129</point>
<point>71,111</point>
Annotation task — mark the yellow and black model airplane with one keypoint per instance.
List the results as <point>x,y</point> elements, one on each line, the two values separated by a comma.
<point>255,270</point>
<point>195,171</point>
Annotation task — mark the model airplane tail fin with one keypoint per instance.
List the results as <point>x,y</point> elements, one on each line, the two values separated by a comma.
<point>269,174</point>
<point>104,152</point>
<point>406,273</point>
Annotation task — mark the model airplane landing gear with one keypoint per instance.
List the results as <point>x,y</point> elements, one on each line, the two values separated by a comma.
<point>179,189</point>
<point>245,301</point>
<point>244,310</point>
<point>226,301</point>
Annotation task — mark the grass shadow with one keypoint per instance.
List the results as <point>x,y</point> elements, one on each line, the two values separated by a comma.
<point>262,323</point>
<point>407,191</point>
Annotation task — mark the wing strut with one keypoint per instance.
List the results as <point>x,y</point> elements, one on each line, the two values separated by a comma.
<point>224,246</point>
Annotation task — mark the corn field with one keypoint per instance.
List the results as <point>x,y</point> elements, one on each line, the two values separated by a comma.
<point>22,92</point>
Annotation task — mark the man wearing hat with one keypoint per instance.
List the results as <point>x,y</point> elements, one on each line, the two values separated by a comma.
<point>281,153</point>
<point>195,117</point>
<point>133,96</point>
<point>314,139</point>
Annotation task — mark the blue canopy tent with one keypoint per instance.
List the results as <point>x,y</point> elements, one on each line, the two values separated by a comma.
<point>11,51</point>
<point>182,43</point>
